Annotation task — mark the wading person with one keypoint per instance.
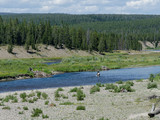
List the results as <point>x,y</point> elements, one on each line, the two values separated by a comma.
<point>98,74</point>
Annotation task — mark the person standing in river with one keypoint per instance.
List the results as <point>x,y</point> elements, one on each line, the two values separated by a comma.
<point>98,74</point>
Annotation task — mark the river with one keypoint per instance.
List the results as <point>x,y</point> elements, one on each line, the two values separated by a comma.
<point>79,79</point>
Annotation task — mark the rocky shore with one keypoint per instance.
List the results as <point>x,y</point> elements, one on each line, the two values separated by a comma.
<point>62,105</point>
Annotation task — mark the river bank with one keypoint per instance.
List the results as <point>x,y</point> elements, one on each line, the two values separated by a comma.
<point>19,68</point>
<point>102,104</point>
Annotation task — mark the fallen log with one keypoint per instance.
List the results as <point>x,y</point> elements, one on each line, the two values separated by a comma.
<point>153,111</point>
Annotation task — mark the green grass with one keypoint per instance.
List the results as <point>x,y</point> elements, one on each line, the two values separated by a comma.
<point>6,108</point>
<point>152,85</point>
<point>94,89</point>
<point>25,108</point>
<point>76,63</point>
<point>67,103</point>
<point>81,108</point>
<point>36,112</point>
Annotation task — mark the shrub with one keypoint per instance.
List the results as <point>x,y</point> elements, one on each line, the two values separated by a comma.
<point>44,95</point>
<point>151,78</point>
<point>31,101</point>
<point>21,112</point>
<point>15,100</point>
<point>74,89</point>
<point>151,85</point>
<point>39,94</point>
<point>110,86</point>
<point>6,108</point>
<point>56,94</point>
<point>80,95</point>
<point>66,103</point>
<point>36,112</point>
<point>103,118</point>
<point>100,85</point>
<point>23,95</point>
<point>140,80</point>
<point>119,82</point>
<point>10,97</point>
<point>25,108</point>
<point>24,100</point>
<point>127,87</point>
<point>46,102</point>
<point>60,89</point>
<point>117,89</point>
<point>10,48</point>
<point>45,116</point>
<point>81,108</point>
<point>63,96</point>
<point>1,104</point>
<point>31,94</point>
<point>94,89</point>
<point>129,83</point>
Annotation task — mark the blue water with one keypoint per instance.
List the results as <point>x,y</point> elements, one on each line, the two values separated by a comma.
<point>80,78</point>
<point>53,62</point>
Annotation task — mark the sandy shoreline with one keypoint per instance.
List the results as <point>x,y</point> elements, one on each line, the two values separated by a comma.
<point>114,106</point>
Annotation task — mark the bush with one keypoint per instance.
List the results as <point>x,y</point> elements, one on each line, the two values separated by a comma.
<point>74,89</point>
<point>151,85</point>
<point>23,95</point>
<point>10,48</point>
<point>25,108</point>
<point>56,94</point>
<point>110,86</point>
<point>80,95</point>
<point>6,108</point>
<point>151,78</point>
<point>127,87</point>
<point>21,112</point>
<point>103,118</point>
<point>10,97</point>
<point>100,85</point>
<point>1,104</point>
<point>119,82</point>
<point>15,100</point>
<point>44,95</point>
<point>60,89</point>
<point>31,94</point>
<point>39,94</point>
<point>66,103</point>
<point>94,89</point>
<point>81,108</point>
<point>36,112</point>
<point>45,116</point>
<point>64,97</point>
<point>46,102</point>
<point>129,83</point>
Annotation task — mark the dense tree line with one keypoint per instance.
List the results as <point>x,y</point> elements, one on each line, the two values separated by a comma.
<point>29,33</point>
<point>75,19</point>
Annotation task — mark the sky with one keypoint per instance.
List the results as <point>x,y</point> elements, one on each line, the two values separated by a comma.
<point>81,6</point>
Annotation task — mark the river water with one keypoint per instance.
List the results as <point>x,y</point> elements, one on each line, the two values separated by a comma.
<point>79,78</point>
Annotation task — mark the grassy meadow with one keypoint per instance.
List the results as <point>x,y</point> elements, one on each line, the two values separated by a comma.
<point>14,67</point>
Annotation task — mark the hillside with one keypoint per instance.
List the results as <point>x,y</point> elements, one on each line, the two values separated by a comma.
<point>49,51</point>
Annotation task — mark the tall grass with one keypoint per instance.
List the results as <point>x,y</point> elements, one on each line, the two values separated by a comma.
<point>15,67</point>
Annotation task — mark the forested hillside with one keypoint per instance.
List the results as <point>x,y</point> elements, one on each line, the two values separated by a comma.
<point>86,32</point>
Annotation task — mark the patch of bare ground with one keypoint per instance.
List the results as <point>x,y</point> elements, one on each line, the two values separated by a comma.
<point>43,51</point>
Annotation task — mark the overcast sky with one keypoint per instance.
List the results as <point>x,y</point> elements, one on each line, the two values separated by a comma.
<point>81,6</point>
